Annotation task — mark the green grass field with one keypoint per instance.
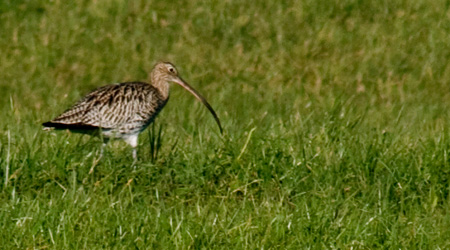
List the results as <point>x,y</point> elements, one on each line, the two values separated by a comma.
<point>336,117</point>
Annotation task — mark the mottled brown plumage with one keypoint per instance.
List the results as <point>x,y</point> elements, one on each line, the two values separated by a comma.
<point>124,110</point>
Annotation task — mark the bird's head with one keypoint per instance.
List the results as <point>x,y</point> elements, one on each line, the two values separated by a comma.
<point>165,72</point>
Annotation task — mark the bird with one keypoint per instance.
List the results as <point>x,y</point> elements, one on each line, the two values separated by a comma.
<point>124,110</point>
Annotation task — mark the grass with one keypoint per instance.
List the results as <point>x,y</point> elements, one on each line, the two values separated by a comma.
<point>336,116</point>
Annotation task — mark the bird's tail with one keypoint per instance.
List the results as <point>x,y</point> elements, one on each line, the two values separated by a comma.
<point>48,126</point>
<point>72,126</point>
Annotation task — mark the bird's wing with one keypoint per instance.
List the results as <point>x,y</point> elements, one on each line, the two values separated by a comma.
<point>111,106</point>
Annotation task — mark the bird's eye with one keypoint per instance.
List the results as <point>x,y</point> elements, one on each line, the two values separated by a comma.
<point>172,70</point>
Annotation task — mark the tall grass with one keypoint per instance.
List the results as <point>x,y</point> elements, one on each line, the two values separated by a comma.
<point>335,117</point>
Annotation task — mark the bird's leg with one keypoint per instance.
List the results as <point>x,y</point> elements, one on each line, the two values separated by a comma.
<point>105,141</point>
<point>95,161</point>
<point>133,141</point>
<point>134,154</point>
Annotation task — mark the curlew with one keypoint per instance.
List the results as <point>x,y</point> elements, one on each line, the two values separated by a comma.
<point>124,110</point>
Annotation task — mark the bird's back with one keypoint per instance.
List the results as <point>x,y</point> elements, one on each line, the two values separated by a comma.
<point>117,110</point>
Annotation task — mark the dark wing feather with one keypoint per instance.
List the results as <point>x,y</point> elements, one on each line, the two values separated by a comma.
<point>74,127</point>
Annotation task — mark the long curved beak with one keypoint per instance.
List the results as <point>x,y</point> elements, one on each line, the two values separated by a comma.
<point>188,87</point>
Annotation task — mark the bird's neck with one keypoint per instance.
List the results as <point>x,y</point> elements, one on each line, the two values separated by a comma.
<point>162,85</point>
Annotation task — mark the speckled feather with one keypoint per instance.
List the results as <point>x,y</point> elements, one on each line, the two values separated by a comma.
<point>117,110</point>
